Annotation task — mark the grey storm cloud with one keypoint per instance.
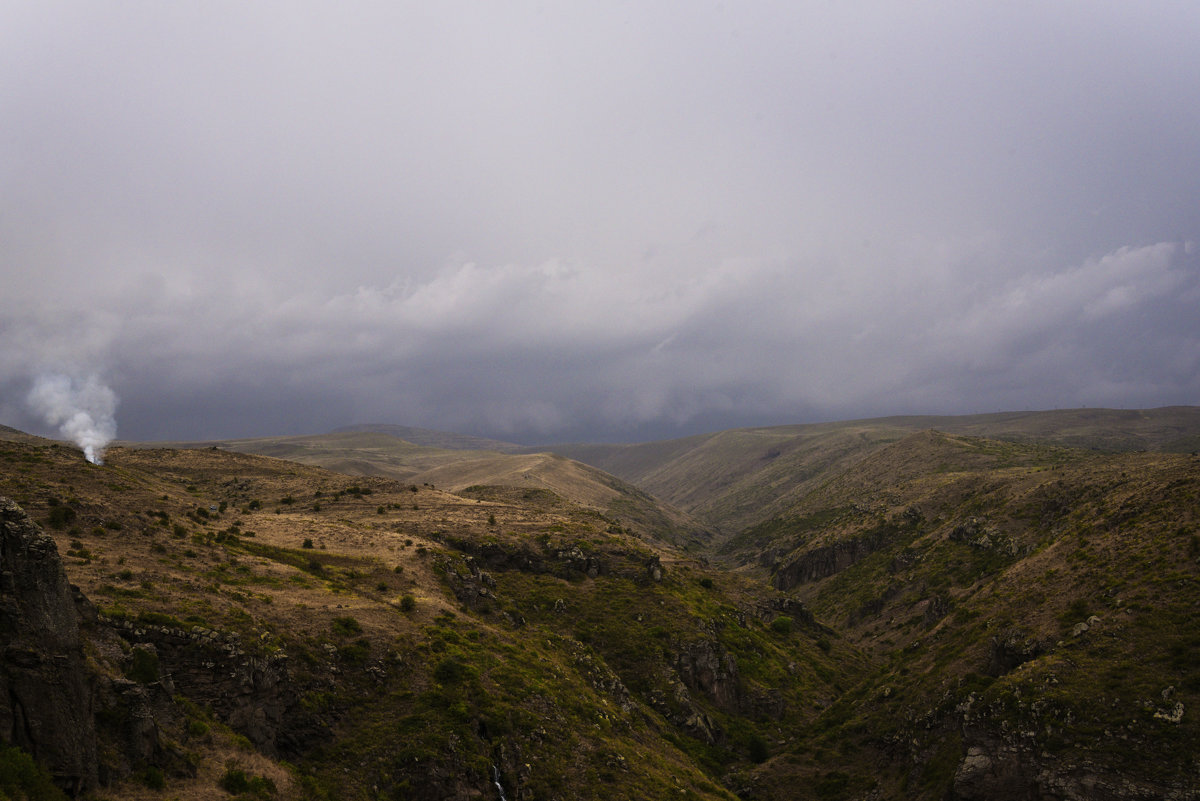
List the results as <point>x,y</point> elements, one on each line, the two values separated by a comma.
<point>543,221</point>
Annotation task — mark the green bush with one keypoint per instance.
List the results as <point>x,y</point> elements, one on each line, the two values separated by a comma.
<point>21,777</point>
<point>345,626</point>
<point>144,667</point>
<point>153,778</point>
<point>451,671</point>
<point>237,782</point>
<point>408,603</point>
<point>356,652</point>
<point>782,625</point>
<point>61,516</point>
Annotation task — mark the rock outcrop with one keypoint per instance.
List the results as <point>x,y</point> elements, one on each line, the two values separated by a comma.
<point>90,727</point>
<point>47,697</point>
<point>708,668</point>
<point>254,695</point>
<point>826,560</point>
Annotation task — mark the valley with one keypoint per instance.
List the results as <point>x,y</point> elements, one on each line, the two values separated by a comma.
<point>977,607</point>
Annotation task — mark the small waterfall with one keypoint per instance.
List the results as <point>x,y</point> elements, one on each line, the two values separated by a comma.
<point>496,781</point>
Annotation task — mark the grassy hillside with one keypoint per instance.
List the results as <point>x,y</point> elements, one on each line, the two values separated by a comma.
<point>1031,610</point>
<point>375,453</point>
<point>434,439</point>
<point>421,635</point>
<point>734,479</point>
<point>905,613</point>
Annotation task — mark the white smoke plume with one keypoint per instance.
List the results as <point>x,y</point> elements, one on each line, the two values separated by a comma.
<point>83,411</point>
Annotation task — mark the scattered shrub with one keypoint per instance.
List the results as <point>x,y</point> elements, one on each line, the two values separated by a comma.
<point>451,671</point>
<point>153,778</point>
<point>21,777</point>
<point>356,652</point>
<point>144,666</point>
<point>60,516</point>
<point>237,782</point>
<point>345,626</point>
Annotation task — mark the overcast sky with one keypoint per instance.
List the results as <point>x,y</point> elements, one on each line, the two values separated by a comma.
<point>553,221</point>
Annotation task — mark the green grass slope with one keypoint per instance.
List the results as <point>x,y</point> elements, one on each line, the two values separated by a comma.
<point>1030,610</point>
<point>734,479</point>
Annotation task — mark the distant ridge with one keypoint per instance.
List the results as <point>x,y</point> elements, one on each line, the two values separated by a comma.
<point>16,435</point>
<point>737,478</point>
<point>433,439</point>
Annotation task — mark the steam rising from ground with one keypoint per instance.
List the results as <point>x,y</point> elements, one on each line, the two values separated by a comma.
<point>83,411</point>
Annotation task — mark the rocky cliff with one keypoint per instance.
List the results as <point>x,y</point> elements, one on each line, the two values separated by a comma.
<point>47,696</point>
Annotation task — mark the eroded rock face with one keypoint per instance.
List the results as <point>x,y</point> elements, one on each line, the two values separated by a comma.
<point>254,695</point>
<point>706,667</point>
<point>826,561</point>
<point>46,697</point>
<point>991,770</point>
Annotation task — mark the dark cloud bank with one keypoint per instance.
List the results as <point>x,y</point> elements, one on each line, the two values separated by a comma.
<point>597,221</point>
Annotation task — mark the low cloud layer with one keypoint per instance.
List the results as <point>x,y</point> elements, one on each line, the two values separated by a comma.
<point>604,223</point>
<point>547,351</point>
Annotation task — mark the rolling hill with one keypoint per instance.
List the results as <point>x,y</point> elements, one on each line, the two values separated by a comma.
<point>735,479</point>
<point>434,439</point>
<point>373,451</point>
<point>894,610</point>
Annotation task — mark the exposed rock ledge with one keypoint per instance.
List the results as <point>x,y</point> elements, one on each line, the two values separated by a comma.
<point>47,699</point>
